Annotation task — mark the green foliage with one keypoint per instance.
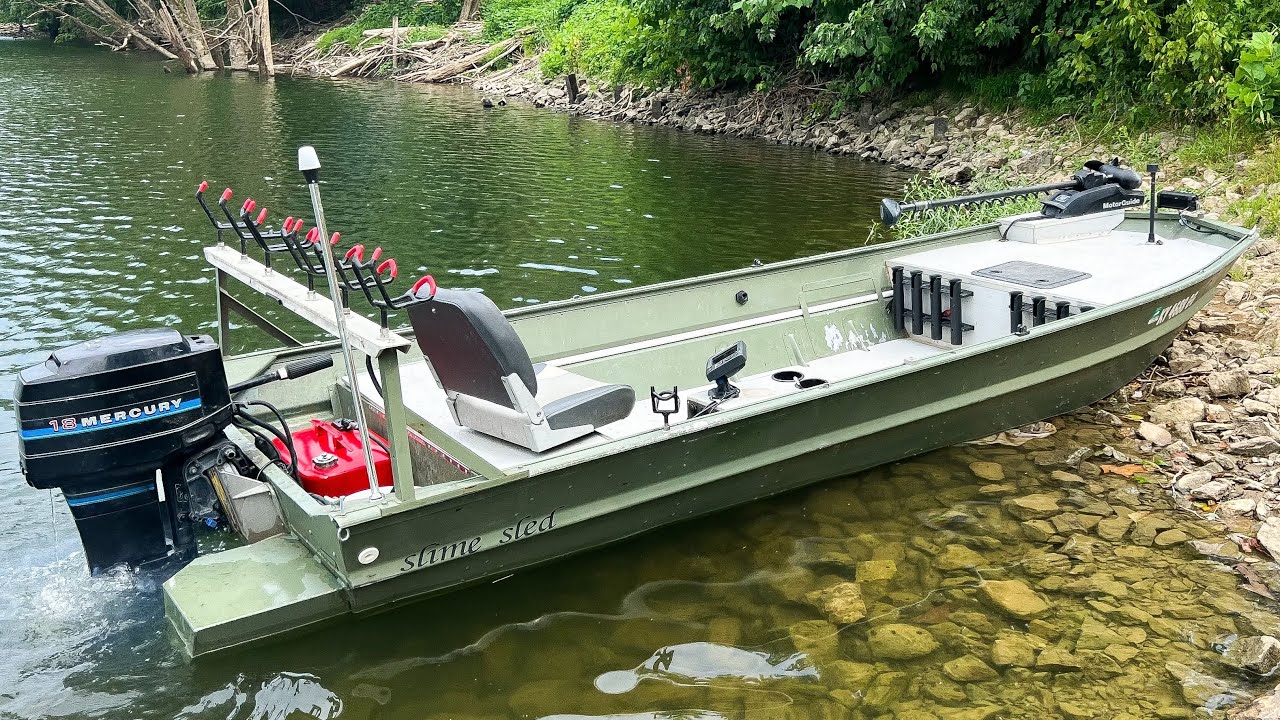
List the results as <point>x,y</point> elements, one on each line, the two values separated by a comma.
<point>1262,209</point>
<point>954,218</point>
<point>1256,86</point>
<point>599,39</point>
<point>379,15</point>
<point>502,18</point>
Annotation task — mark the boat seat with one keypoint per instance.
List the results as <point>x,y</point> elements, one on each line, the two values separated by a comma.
<point>490,383</point>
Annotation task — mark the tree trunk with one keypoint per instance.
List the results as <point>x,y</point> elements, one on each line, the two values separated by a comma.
<point>237,44</point>
<point>188,18</point>
<point>266,62</point>
<point>470,10</point>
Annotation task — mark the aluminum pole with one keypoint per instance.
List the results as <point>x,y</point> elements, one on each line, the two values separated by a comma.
<point>309,164</point>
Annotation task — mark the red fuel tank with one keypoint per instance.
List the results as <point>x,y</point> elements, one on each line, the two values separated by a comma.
<point>331,459</point>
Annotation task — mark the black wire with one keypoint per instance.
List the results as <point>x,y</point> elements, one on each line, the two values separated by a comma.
<point>285,437</point>
<point>373,376</point>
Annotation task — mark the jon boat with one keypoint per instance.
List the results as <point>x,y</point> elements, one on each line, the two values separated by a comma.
<point>517,437</point>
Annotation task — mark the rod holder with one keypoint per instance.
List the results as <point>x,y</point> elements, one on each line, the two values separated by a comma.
<point>957,320</point>
<point>935,307</point>
<point>897,305</point>
<point>1062,310</point>
<point>917,302</point>
<point>1015,311</point>
<point>1038,306</point>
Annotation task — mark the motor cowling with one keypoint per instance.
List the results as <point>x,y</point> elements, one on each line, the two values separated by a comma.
<point>98,419</point>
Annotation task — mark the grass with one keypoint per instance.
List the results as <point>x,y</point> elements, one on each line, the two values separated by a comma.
<point>1262,209</point>
<point>952,218</point>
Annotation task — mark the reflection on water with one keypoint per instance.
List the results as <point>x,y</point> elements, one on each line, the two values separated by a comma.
<point>871,596</point>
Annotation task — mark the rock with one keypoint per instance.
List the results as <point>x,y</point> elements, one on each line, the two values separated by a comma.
<point>1058,660</point>
<point>1014,598</point>
<point>816,638</point>
<point>1269,535</point>
<point>968,668</point>
<point>966,117</point>
<point>1266,707</point>
<point>1171,537</point>
<point>957,557</point>
<point>1038,530</point>
<point>1228,383</point>
<point>1192,480</point>
<point>1258,654</point>
<point>989,471</point>
<point>849,675</point>
<point>1121,653</point>
<point>1113,529</point>
<point>1013,650</point>
<point>1238,507</point>
<point>1031,507</point>
<point>1155,434</point>
<point>1175,388</point>
<point>885,691</point>
<point>900,642</point>
<point>1097,636</point>
<point>1199,689</point>
<point>876,570</point>
<point>842,603</point>
<point>1213,490</point>
<point>1182,410</point>
<point>1255,447</point>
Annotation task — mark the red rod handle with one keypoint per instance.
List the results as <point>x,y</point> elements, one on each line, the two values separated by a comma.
<point>357,251</point>
<point>313,235</point>
<point>336,237</point>
<point>226,195</point>
<point>388,263</point>
<point>288,224</point>
<point>377,253</point>
<point>425,280</point>
<point>262,216</point>
<point>248,206</point>
<point>297,225</point>
<point>204,185</point>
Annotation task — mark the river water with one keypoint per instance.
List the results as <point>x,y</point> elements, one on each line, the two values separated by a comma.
<point>731,616</point>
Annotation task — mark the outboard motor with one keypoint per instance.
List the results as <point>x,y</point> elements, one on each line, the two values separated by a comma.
<point>113,422</point>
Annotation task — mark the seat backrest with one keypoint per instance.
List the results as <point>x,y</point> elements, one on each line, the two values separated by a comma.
<point>471,345</point>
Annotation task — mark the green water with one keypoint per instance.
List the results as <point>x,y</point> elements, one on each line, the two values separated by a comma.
<point>729,616</point>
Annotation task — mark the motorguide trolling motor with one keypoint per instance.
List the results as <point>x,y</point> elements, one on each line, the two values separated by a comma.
<point>1096,187</point>
<point>128,426</point>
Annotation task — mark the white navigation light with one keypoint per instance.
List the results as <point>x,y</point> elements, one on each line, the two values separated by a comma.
<point>307,159</point>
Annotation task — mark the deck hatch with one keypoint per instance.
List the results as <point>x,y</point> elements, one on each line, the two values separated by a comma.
<point>1022,272</point>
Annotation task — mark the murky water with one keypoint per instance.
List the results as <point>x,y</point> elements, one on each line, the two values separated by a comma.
<point>917,591</point>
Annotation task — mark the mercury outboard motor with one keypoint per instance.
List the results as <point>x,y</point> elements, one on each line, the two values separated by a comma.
<point>112,422</point>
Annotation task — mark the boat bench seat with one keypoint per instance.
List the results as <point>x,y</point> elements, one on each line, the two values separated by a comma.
<point>490,384</point>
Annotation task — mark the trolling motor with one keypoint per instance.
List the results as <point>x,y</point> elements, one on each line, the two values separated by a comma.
<point>1096,187</point>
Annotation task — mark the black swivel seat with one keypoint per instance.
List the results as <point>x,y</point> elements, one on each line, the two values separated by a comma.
<point>491,384</point>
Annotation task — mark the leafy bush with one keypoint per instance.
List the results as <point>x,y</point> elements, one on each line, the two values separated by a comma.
<point>1256,86</point>
<point>599,39</point>
<point>379,15</point>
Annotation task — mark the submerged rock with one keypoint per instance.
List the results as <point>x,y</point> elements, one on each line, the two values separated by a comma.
<point>1058,660</point>
<point>700,662</point>
<point>968,668</point>
<point>1015,650</point>
<point>956,557</point>
<point>1031,507</point>
<point>901,642</point>
<point>1199,689</point>
<point>989,471</point>
<point>842,603</point>
<point>1013,597</point>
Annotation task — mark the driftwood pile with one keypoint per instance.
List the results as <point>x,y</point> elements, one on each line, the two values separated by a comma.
<point>458,56</point>
<point>173,29</point>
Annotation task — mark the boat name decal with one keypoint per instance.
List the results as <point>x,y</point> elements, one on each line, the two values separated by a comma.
<point>437,553</point>
<point>1163,313</point>
<point>74,424</point>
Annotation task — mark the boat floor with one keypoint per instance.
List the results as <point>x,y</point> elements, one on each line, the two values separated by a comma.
<point>425,399</point>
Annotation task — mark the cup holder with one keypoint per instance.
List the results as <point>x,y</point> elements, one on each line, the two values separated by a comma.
<point>806,383</point>
<point>788,375</point>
